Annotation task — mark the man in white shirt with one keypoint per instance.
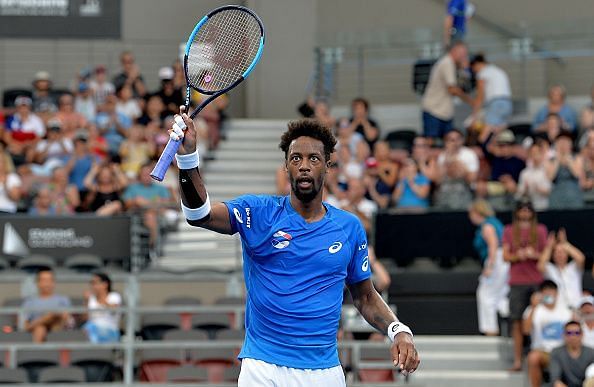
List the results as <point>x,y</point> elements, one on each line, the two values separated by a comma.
<point>454,149</point>
<point>493,91</point>
<point>438,100</point>
<point>358,204</point>
<point>544,321</point>
<point>586,314</point>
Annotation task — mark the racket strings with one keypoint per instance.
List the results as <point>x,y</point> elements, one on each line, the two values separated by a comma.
<point>223,50</point>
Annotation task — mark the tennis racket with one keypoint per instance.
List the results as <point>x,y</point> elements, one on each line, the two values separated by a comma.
<point>221,52</point>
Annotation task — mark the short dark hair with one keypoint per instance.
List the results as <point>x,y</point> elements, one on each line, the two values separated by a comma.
<point>572,322</point>
<point>362,101</point>
<point>43,270</point>
<point>308,127</point>
<point>478,58</point>
<point>547,284</point>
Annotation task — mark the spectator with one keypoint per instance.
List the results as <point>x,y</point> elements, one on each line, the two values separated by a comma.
<point>85,103</point>
<point>283,185</point>
<point>423,156</point>
<point>42,204</point>
<point>556,104</point>
<point>105,183</point>
<point>552,127</point>
<point>212,115</point>
<point>412,191</point>
<point>43,99</point>
<point>565,170</point>
<point>80,162</point>
<point>458,11</point>
<point>587,182</point>
<point>65,196</point>
<point>23,130</point>
<point>70,119</point>
<point>586,315</point>
<point>101,87</point>
<point>322,114</point>
<point>154,114</point>
<point>179,78</point>
<point>534,184</point>
<point>381,175</point>
<point>493,91</point>
<point>349,166</point>
<point>10,188</point>
<point>103,325</point>
<point>505,166</point>
<point>171,94</point>
<point>112,125</point>
<point>456,151</point>
<point>587,115</point>
<point>135,151</point>
<point>544,320</point>
<point>554,264</point>
<point>347,136</point>
<point>51,152</point>
<point>356,203</point>
<point>127,105</point>
<point>42,312</point>
<point>438,100</point>
<point>523,242</point>
<point>570,361</point>
<point>453,190</point>
<point>150,198</point>
<point>362,123</point>
<point>130,75</point>
<point>493,288</point>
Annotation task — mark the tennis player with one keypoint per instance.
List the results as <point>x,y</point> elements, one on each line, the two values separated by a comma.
<point>298,252</point>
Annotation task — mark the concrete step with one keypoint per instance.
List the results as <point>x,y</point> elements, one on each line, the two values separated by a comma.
<point>256,125</point>
<point>237,188</point>
<point>455,378</point>
<point>184,263</point>
<point>251,145</point>
<point>239,178</point>
<point>248,154</point>
<point>431,343</point>
<point>252,167</point>
<point>459,361</point>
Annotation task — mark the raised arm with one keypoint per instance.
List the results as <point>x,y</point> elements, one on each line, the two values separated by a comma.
<point>377,313</point>
<point>195,202</point>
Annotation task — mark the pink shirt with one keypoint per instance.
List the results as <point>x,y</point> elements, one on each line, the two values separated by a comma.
<point>525,272</point>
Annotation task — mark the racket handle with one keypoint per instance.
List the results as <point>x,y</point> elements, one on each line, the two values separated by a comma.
<point>165,160</point>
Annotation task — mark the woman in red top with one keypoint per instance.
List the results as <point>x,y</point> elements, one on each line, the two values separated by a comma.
<point>523,242</point>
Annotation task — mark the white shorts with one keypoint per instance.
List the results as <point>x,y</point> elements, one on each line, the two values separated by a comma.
<point>261,374</point>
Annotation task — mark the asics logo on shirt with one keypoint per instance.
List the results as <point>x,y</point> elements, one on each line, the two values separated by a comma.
<point>281,239</point>
<point>365,264</point>
<point>237,215</point>
<point>335,247</point>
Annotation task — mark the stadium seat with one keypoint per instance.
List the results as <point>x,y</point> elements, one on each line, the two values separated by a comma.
<point>12,337</point>
<point>4,263</point>
<point>10,95</point>
<point>62,375</point>
<point>187,374</point>
<point>83,262</point>
<point>182,301</point>
<point>230,334</point>
<point>401,139</point>
<point>521,131</point>
<point>13,303</point>
<point>13,376</point>
<point>70,336</point>
<point>36,360</point>
<point>240,301</point>
<point>96,363</point>
<point>211,322</point>
<point>155,363</point>
<point>36,262</point>
<point>375,375</point>
<point>184,335</point>
<point>154,325</point>
<point>208,356</point>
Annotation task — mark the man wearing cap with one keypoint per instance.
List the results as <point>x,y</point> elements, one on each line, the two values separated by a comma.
<point>502,153</point>
<point>23,130</point>
<point>42,92</point>
<point>586,315</point>
<point>172,97</point>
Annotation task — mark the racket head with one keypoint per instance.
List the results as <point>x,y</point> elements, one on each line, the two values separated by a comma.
<point>223,49</point>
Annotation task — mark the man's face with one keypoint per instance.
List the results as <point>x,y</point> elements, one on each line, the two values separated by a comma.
<point>453,141</point>
<point>573,335</point>
<point>127,62</point>
<point>359,110</point>
<point>306,166</point>
<point>45,283</point>
<point>556,95</point>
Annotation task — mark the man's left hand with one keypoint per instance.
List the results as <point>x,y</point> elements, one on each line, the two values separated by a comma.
<point>404,353</point>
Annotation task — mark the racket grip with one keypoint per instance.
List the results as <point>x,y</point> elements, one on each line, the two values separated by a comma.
<point>165,160</point>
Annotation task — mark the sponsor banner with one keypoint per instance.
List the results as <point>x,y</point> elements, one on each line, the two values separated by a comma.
<point>75,19</point>
<point>61,237</point>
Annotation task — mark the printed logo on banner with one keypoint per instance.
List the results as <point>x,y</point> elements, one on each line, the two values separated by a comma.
<point>12,243</point>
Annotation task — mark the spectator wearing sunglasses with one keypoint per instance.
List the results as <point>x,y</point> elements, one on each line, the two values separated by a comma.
<point>570,361</point>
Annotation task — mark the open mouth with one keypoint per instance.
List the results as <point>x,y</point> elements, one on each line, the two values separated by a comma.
<point>305,182</point>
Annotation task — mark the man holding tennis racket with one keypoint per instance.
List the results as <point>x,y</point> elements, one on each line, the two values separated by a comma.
<point>298,253</point>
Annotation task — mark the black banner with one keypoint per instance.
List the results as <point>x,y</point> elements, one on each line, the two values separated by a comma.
<point>61,237</point>
<point>74,19</point>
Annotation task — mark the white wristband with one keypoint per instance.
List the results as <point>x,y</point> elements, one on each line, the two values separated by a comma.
<point>189,161</point>
<point>197,213</point>
<point>397,327</point>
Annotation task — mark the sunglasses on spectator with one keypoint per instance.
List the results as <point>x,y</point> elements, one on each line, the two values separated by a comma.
<point>573,333</point>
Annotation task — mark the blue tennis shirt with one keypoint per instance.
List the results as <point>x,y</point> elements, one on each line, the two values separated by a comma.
<point>295,274</point>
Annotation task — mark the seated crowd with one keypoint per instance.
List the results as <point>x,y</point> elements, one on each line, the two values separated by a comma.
<point>90,148</point>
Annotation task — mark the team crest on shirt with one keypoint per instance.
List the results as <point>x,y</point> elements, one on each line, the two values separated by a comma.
<point>281,239</point>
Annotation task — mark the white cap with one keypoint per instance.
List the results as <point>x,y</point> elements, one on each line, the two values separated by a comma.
<point>166,73</point>
<point>586,300</point>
